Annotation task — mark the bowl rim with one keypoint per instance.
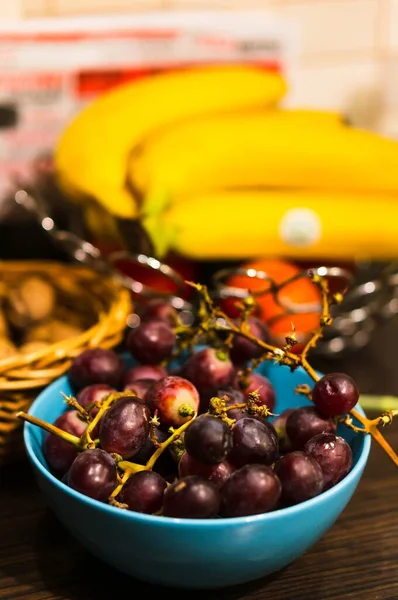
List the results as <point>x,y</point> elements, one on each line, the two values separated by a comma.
<point>163,521</point>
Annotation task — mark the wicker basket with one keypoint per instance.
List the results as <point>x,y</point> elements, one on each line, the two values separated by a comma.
<point>100,306</point>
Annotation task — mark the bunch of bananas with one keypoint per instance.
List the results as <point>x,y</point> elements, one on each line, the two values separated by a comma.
<point>213,168</point>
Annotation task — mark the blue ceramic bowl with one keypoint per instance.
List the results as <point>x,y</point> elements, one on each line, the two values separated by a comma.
<point>192,553</point>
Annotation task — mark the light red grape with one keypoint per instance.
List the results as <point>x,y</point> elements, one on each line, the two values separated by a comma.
<point>140,388</point>
<point>154,372</point>
<point>169,396</point>
<point>209,370</point>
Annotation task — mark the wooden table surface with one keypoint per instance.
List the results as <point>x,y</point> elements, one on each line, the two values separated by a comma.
<point>357,559</point>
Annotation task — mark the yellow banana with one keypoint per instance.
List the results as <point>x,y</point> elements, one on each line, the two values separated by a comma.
<point>252,149</point>
<point>299,224</point>
<point>92,154</point>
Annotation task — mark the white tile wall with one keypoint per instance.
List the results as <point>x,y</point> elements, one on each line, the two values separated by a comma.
<point>332,86</point>
<point>392,25</point>
<point>348,47</point>
<point>334,26</point>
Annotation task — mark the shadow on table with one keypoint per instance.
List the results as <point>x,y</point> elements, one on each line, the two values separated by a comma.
<point>69,571</point>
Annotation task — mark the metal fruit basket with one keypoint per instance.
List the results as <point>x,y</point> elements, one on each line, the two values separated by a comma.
<point>370,292</point>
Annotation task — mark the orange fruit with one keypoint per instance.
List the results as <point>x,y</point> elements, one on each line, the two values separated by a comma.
<point>297,293</point>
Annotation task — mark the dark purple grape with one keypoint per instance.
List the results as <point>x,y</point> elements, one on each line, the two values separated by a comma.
<point>208,439</point>
<point>145,453</point>
<point>96,392</point>
<point>301,477</point>
<point>143,492</point>
<point>93,473</point>
<point>169,397</point>
<point>251,490</point>
<point>165,464</point>
<point>191,497</point>
<point>305,422</point>
<point>217,474</point>
<point>125,427</point>
<point>333,455</point>
<point>253,442</point>
<point>209,370</point>
<point>234,397</point>
<point>139,372</point>
<point>151,342</point>
<point>243,349</point>
<point>58,453</point>
<point>262,385</point>
<point>280,427</point>
<point>335,394</point>
<point>156,309</point>
<point>140,388</point>
<point>96,365</point>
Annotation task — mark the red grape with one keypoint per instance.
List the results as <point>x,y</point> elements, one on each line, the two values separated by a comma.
<point>143,492</point>
<point>280,427</point>
<point>93,473</point>
<point>191,498</point>
<point>159,310</point>
<point>335,394</point>
<point>170,395</point>
<point>154,372</point>
<point>209,369</point>
<point>333,454</point>
<point>251,490</point>
<point>151,342</point>
<point>253,442</point>
<point>243,349</point>
<point>301,477</point>
<point>208,439</point>
<point>262,385</point>
<point>58,453</point>
<point>305,422</point>
<point>233,397</point>
<point>96,392</point>
<point>140,388</point>
<point>96,365</point>
<point>217,474</point>
<point>125,427</point>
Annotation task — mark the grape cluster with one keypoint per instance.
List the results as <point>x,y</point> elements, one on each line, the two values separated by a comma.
<point>198,443</point>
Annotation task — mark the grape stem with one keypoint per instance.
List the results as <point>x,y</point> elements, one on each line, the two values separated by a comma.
<point>73,403</point>
<point>68,437</point>
<point>86,440</point>
<point>212,314</point>
<point>127,465</point>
